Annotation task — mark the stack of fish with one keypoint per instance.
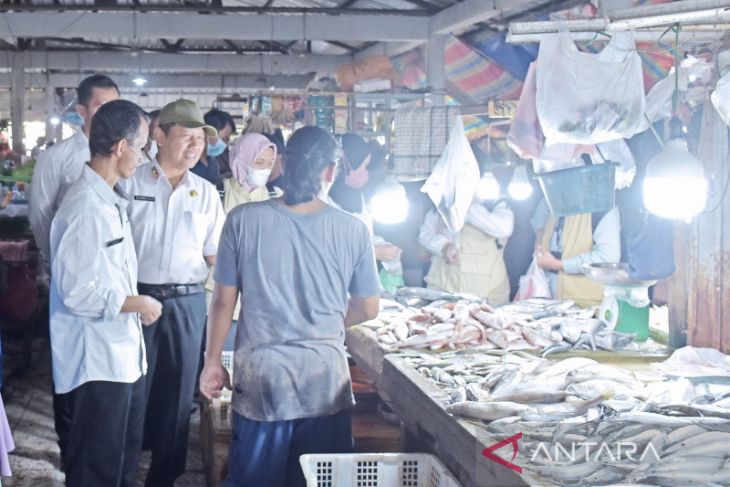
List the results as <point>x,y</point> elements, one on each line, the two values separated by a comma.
<point>465,324</point>
<point>576,415</point>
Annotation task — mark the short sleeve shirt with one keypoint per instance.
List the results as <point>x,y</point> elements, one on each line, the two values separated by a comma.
<point>294,273</point>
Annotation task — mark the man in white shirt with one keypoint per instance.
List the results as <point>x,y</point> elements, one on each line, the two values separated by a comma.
<point>58,168</point>
<point>176,220</point>
<point>60,165</point>
<point>95,314</point>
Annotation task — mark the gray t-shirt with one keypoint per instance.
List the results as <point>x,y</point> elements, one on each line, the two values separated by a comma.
<point>294,273</point>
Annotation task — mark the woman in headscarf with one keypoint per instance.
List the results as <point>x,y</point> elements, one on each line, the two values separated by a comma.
<point>252,159</point>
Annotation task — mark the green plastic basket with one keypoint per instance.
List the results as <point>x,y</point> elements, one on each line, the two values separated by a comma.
<point>584,189</point>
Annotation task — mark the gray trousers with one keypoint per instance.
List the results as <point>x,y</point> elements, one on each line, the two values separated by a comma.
<point>173,354</point>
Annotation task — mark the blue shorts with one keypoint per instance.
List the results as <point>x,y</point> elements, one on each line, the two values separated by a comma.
<point>266,453</point>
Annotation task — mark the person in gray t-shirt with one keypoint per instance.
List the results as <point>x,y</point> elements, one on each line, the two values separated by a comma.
<point>305,271</point>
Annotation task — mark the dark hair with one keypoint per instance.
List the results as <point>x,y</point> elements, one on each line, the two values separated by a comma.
<point>83,92</point>
<point>277,138</point>
<point>115,120</point>
<point>154,114</point>
<point>308,152</point>
<point>219,119</point>
<point>355,150</point>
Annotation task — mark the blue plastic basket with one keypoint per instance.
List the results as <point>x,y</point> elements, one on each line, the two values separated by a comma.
<point>584,189</point>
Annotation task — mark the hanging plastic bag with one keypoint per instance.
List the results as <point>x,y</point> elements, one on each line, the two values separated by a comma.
<point>721,98</point>
<point>585,98</point>
<point>453,182</point>
<point>533,284</point>
<point>694,75</point>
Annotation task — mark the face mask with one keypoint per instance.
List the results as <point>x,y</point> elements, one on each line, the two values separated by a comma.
<point>358,178</point>
<point>258,177</point>
<point>214,150</point>
<point>152,151</point>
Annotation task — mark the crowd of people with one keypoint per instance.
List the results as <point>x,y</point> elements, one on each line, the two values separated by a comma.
<point>143,252</point>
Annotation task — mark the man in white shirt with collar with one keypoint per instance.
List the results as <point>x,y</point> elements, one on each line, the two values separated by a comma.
<point>176,220</point>
<point>57,168</point>
<point>95,313</point>
<point>60,165</point>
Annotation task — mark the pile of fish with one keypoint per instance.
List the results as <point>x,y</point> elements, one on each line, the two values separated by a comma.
<point>467,324</point>
<point>585,423</point>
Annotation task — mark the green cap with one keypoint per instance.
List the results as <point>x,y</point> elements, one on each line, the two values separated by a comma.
<point>187,114</point>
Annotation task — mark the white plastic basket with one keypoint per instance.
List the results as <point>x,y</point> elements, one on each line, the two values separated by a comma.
<point>375,470</point>
<point>227,361</point>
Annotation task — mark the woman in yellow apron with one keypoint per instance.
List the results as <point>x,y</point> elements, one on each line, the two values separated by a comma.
<point>470,261</point>
<point>574,240</point>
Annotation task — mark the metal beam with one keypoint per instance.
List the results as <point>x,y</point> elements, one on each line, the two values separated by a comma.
<point>168,82</point>
<point>210,8</point>
<point>124,62</point>
<point>652,35</point>
<point>156,25</point>
<point>463,15</point>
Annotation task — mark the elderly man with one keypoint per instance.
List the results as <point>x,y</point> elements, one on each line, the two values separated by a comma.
<point>176,220</point>
<point>95,313</point>
<point>56,169</point>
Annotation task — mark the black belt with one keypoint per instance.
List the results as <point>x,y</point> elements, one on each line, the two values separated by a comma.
<point>166,291</point>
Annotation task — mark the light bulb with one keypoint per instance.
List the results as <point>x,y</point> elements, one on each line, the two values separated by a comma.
<point>54,120</point>
<point>675,186</point>
<point>519,187</point>
<point>389,203</point>
<point>488,187</point>
<point>139,81</point>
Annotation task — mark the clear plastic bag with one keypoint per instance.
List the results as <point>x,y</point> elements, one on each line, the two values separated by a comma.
<point>721,98</point>
<point>533,284</point>
<point>453,182</point>
<point>585,98</point>
<point>694,73</point>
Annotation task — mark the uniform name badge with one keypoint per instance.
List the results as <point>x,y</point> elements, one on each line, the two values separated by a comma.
<point>144,198</point>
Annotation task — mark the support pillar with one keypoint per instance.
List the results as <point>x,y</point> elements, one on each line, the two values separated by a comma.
<point>17,103</point>
<point>436,68</point>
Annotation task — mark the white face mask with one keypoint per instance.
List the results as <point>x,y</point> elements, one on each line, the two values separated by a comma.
<point>152,151</point>
<point>258,177</point>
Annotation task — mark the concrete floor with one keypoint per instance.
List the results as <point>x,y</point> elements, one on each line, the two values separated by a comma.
<point>35,461</point>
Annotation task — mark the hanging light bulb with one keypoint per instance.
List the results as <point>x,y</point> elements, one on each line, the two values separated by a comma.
<point>519,187</point>
<point>389,203</point>
<point>675,186</point>
<point>488,187</point>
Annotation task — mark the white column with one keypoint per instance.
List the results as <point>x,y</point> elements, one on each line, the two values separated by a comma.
<point>17,100</point>
<point>436,67</point>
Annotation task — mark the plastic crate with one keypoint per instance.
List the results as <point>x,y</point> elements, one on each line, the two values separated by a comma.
<point>375,470</point>
<point>583,189</point>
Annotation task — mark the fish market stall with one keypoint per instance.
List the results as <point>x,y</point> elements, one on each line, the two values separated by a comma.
<point>571,422</point>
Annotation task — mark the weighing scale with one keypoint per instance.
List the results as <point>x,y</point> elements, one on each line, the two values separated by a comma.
<point>625,305</point>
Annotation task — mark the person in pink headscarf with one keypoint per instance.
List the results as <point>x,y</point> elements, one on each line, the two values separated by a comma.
<point>251,159</point>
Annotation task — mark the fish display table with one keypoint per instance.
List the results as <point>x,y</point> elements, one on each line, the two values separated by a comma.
<point>458,443</point>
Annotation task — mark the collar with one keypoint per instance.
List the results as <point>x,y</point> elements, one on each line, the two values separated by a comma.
<point>109,195</point>
<point>81,139</point>
<point>158,174</point>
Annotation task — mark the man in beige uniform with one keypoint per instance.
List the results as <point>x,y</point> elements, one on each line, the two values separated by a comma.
<point>176,219</point>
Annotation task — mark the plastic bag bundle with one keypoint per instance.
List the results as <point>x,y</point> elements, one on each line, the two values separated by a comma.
<point>533,284</point>
<point>585,98</point>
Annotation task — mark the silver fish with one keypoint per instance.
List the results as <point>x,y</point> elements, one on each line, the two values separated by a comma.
<point>486,411</point>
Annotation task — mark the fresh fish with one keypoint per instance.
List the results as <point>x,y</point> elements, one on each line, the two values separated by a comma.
<point>613,340</point>
<point>704,442</point>
<point>557,348</point>
<point>536,338</point>
<point>401,331</point>
<point>602,371</point>
<point>684,433</point>
<point>458,395</point>
<point>530,392</point>
<point>662,420</point>
<point>562,367</point>
<point>474,392</point>
<point>572,330</point>
<point>601,387</point>
<point>486,411</point>
<point>559,411</point>
<point>567,473</point>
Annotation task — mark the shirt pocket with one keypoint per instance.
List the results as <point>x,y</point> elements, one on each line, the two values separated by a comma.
<point>195,228</point>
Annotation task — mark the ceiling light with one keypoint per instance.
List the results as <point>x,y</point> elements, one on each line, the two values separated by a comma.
<point>519,187</point>
<point>389,203</point>
<point>139,81</point>
<point>488,187</point>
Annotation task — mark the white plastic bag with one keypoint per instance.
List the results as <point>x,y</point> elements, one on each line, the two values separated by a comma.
<point>453,182</point>
<point>585,98</point>
<point>721,98</point>
<point>533,284</point>
<point>694,73</point>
